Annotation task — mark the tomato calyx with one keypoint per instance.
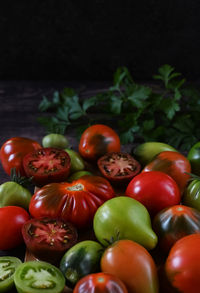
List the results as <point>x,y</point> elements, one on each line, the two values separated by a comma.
<point>21,180</point>
<point>76,187</point>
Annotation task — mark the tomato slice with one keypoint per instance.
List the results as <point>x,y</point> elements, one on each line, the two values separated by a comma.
<point>37,277</point>
<point>48,239</point>
<point>118,166</point>
<point>8,265</point>
<point>47,165</point>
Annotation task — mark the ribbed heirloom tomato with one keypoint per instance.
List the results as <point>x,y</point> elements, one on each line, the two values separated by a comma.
<point>98,140</point>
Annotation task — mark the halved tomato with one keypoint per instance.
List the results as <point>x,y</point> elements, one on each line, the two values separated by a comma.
<point>47,165</point>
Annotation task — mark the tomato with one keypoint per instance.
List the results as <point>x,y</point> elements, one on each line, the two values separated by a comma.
<point>47,165</point>
<point>75,202</point>
<point>183,264</point>
<point>13,151</point>
<point>175,222</point>
<point>124,218</point>
<point>55,140</point>
<point>8,265</point>
<point>174,164</point>
<point>80,260</point>
<point>191,195</point>
<point>77,163</point>
<point>12,219</point>
<point>118,167</point>
<point>48,239</point>
<point>13,194</point>
<point>100,283</point>
<point>131,263</point>
<point>98,140</point>
<point>78,175</point>
<point>38,277</point>
<point>155,190</point>
<point>194,158</point>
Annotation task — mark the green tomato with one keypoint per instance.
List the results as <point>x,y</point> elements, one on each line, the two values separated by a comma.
<point>38,277</point>
<point>13,194</point>
<point>8,266</point>
<point>191,196</point>
<point>54,140</point>
<point>78,175</point>
<point>77,163</point>
<point>80,260</point>
<point>194,158</point>
<point>124,218</point>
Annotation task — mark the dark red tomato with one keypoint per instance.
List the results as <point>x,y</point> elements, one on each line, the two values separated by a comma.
<point>12,218</point>
<point>155,190</point>
<point>47,165</point>
<point>13,151</point>
<point>100,282</point>
<point>75,202</point>
<point>174,164</point>
<point>118,167</point>
<point>48,239</point>
<point>183,264</point>
<point>97,140</point>
<point>175,222</point>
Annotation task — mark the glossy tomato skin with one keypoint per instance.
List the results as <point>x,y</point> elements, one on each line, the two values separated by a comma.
<point>100,283</point>
<point>194,158</point>
<point>155,190</point>
<point>98,140</point>
<point>75,202</point>
<point>174,164</point>
<point>174,223</point>
<point>12,218</point>
<point>131,263</point>
<point>183,264</point>
<point>191,196</point>
<point>13,151</point>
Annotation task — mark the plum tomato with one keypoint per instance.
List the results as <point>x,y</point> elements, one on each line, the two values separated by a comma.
<point>75,202</point>
<point>174,164</point>
<point>155,190</point>
<point>182,265</point>
<point>97,140</point>
<point>13,151</point>
<point>118,167</point>
<point>12,218</point>
<point>47,165</point>
<point>100,283</point>
<point>38,277</point>
<point>48,239</point>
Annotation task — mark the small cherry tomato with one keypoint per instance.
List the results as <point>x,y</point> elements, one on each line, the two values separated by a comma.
<point>97,140</point>
<point>13,151</point>
<point>100,283</point>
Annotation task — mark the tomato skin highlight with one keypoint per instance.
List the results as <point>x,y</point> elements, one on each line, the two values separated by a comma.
<point>12,219</point>
<point>98,140</point>
<point>131,263</point>
<point>183,264</point>
<point>100,282</point>
<point>13,151</point>
<point>75,202</point>
<point>174,164</point>
<point>155,190</point>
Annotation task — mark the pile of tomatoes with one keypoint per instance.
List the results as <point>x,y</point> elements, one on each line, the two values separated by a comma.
<point>100,220</point>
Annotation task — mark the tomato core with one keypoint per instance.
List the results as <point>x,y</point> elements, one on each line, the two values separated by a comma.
<point>76,187</point>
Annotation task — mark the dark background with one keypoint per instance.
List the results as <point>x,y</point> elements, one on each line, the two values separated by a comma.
<point>88,40</point>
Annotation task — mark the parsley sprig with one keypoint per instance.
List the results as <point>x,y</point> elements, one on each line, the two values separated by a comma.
<point>167,110</point>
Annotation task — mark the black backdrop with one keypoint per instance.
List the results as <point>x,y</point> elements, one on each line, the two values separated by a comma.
<point>88,40</point>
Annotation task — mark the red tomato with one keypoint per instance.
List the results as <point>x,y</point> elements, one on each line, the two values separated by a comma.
<point>155,190</point>
<point>13,151</point>
<point>100,282</point>
<point>12,218</point>
<point>174,164</point>
<point>118,167</point>
<point>131,263</point>
<point>98,140</point>
<point>183,264</point>
<point>75,202</point>
<point>47,165</point>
